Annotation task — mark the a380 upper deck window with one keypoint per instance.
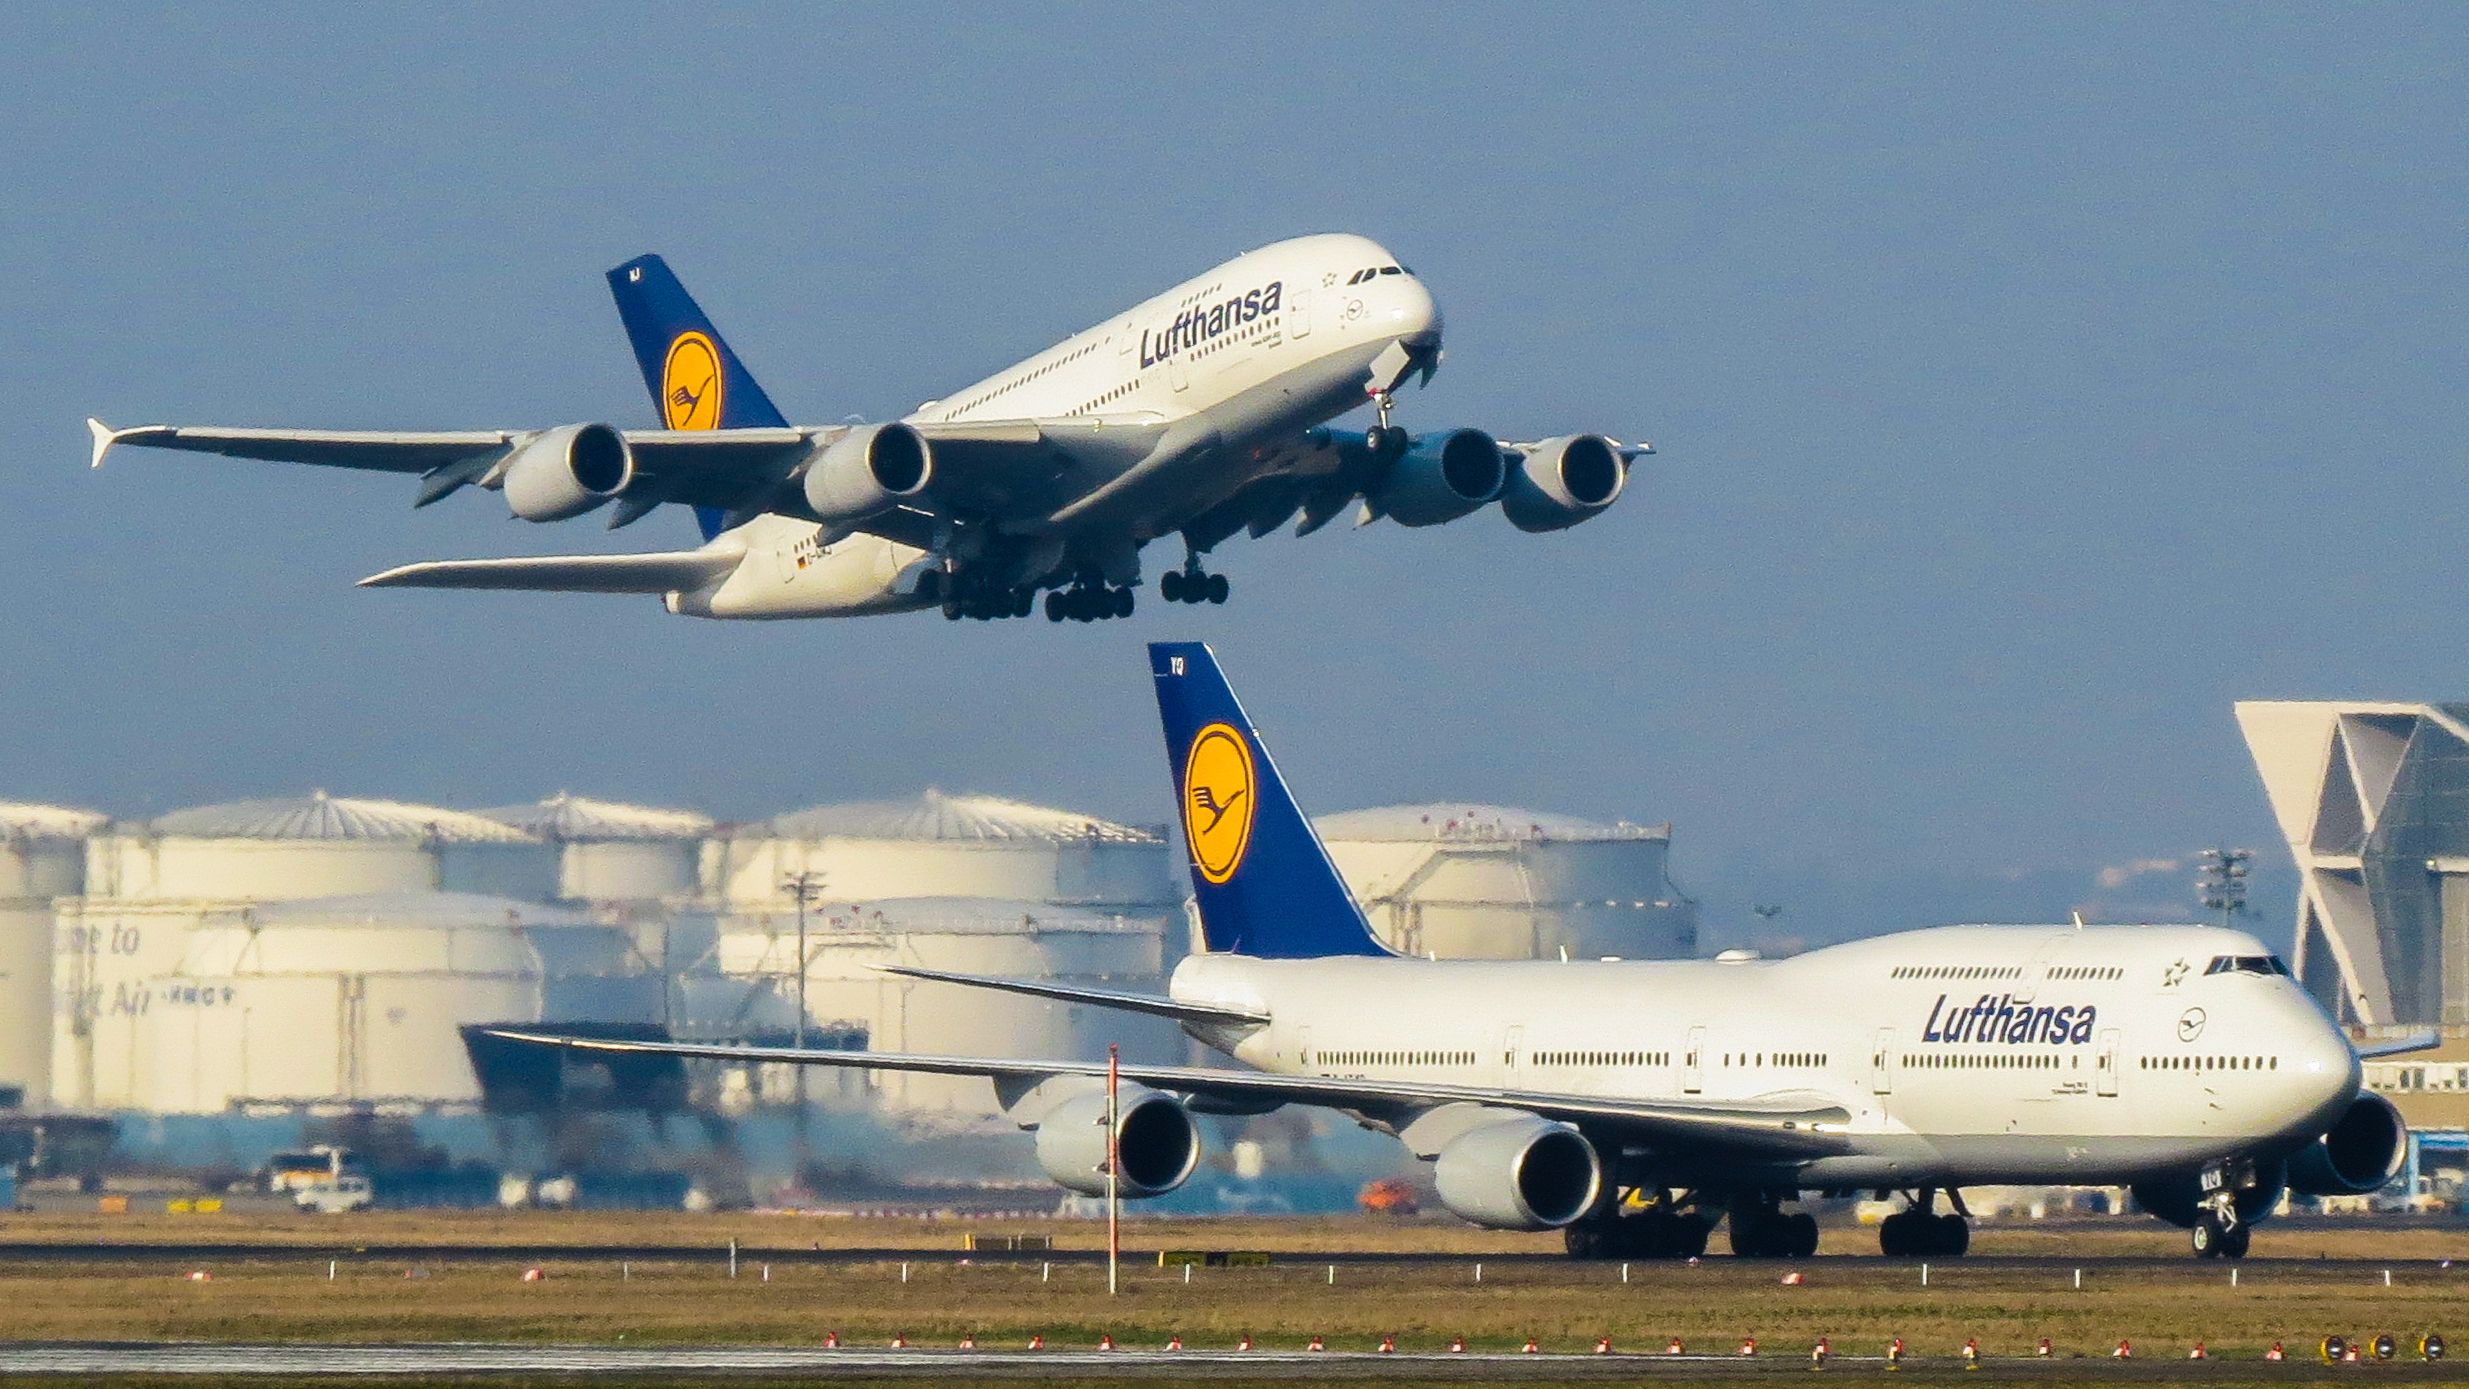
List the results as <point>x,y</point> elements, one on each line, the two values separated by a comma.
<point>2247,964</point>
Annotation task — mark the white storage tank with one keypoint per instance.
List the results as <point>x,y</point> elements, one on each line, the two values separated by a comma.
<point>317,846</point>
<point>1029,940</point>
<point>608,851</point>
<point>358,999</point>
<point>1488,882</point>
<point>45,860</point>
<point>149,886</point>
<point>938,845</point>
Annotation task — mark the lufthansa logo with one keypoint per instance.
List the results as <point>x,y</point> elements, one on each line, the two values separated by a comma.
<point>1218,796</point>
<point>2190,1024</point>
<point>690,383</point>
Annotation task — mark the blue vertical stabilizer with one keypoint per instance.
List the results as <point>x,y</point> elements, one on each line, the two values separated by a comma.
<point>1265,885</point>
<point>695,380</point>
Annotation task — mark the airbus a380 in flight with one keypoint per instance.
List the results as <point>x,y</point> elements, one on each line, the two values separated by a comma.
<point>1200,413</point>
<point>1635,1104</point>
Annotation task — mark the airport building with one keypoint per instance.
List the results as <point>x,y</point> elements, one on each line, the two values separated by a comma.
<point>2373,799</point>
<point>1487,882</point>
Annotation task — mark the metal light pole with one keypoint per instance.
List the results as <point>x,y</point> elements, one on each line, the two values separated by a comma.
<point>807,886</point>
<point>1114,1154</point>
<point>2221,881</point>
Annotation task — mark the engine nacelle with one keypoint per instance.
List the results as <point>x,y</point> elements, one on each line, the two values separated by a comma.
<point>868,471</point>
<point>1564,481</point>
<point>567,471</point>
<point>1440,478</point>
<point>1158,1142</point>
<point>1519,1174</point>
<point>2361,1152</point>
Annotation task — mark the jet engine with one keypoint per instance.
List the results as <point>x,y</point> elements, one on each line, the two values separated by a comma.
<point>1440,478</point>
<point>1158,1143</point>
<point>1519,1174</point>
<point>867,471</point>
<point>2361,1152</point>
<point>567,471</point>
<point>1564,481</point>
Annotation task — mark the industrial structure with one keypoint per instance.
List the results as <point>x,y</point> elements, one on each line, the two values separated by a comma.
<point>322,953</point>
<point>2373,799</point>
<point>46,860</point>
<point>1488,882</point>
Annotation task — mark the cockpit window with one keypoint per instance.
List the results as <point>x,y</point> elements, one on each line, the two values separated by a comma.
<point>1392,270</point>
<point>2247,964</point>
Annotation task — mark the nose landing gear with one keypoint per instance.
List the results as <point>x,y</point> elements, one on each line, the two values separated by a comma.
<point>1387,442</point>
<point>2219,1231</point>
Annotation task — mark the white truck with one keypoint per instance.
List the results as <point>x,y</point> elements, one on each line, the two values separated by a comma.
<point>347,1191</point>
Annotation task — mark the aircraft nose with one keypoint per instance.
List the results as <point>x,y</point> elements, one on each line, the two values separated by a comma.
<point>2328,1068</point>
<point>1415,314</point>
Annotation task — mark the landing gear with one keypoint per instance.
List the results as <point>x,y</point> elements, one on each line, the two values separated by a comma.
<point>2219,1231</point>
<point>1087,602</point>
<point>1760,1231</point>
<point>1189,585</point>
<point>1385,441</point>
<point>1658,1232</point>
<point>1920,1234</point>
<point>984,602</point>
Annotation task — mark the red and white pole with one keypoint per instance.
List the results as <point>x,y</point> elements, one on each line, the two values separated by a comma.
<point>1114,1199</point>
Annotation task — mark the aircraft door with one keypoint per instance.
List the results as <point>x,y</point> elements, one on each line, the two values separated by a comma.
<point>1512,1045</point>
<point>2105,1065</point>
<point>1882,1063</point>
<point>1299,314</point>
<point>1693,1063</point>
<point>1176,370</point>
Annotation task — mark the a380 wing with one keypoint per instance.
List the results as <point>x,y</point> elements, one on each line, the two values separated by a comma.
<point>1017,471</point>
<point>1783,1129</point>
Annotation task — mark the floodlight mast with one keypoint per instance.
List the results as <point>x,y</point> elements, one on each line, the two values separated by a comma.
<point>807,886</point>
<point>2221,881</point>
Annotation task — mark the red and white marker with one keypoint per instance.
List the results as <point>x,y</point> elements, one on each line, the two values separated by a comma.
<point>1603,1345</point>
<point>1317,1344</point>
<point>1894,1354</point>
<point>899,1341</point>
<point>831,1340</point>
<point>1971,1352</point>
<point>1672,1347</point>
<point>1819,1353</point>
<point>1174,1343</point>
<point>1245,1343</point>
<point>1748,1345</point>
<point>530,1275</point>
<point>2125,1351</point>
<point>1457,1345</point>
<point>1038,1341</point>
<point>199,1275</point>
<point>1532,1346</point>
<point>2045,1350</point>
<point>1388,1345</point>
<point>2198,1353</point>
<point>968,1343</point>
<point>2276,1353</point>
<point>1795,1278</point>
<point>1105,1340</point>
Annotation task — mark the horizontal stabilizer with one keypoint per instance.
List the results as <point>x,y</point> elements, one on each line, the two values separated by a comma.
<point>1102,998</point>
<point>2399,1046</point>
<point>661,572</point>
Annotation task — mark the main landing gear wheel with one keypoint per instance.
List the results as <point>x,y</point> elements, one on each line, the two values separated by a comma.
<point>1657,1234</point>
<point>1090,603</point>
<point>1917,1234</point>
<point>1763,1232</point>
<point>1192,586</point>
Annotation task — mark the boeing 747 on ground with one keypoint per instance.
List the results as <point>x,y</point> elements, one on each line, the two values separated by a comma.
<point>1634,1105</point>
<point>1200,413</point>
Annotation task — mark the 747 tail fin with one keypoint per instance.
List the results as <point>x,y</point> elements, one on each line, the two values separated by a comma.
<point>1265,885</point>
<point>695,380</point>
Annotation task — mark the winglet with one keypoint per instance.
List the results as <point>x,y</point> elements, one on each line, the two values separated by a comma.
<point>104,438</point>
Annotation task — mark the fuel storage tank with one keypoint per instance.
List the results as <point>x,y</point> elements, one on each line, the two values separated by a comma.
<point>845,994</point>
<point>358,999</point>
<point>45,861</point>
<point>939,845</point>
<point>149,885</point>
<point>608,851</point>
<point>1488,882</point>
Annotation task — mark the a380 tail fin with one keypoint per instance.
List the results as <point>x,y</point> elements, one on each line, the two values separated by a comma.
<point>1265,885</point>
<point>695,380</point>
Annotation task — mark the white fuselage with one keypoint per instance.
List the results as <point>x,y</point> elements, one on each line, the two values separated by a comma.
<point>1966,1054</point>
<point>1265,346</point>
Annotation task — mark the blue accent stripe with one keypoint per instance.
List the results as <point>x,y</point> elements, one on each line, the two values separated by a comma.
<point>1283,899</point>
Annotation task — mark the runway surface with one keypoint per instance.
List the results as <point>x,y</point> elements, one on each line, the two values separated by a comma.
<point>723,1362</point>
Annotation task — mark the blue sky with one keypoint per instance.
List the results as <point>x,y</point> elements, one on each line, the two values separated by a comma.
<point>2031,382</point>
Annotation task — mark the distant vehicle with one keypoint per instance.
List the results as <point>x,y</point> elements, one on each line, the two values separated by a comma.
<point>1388,1196</point>
<point>291,1171</point>
<point>1199,413</point>
<point>1634,1104</point>
<point>335,1195</point>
